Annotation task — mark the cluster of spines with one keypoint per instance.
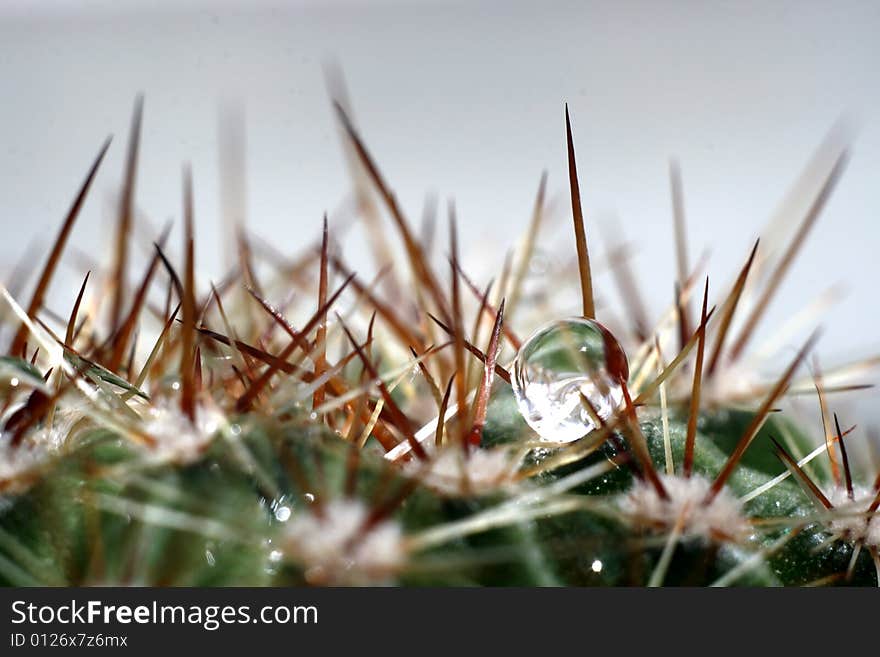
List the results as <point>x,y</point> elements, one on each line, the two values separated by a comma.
<point>513,483</point>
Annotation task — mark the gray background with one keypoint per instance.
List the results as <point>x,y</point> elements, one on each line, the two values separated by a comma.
<point>463,99</point>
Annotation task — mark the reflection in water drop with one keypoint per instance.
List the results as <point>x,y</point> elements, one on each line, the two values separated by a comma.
<point>560,365</point>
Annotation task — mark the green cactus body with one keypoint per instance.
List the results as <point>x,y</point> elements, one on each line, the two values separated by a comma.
<point>100,515</point>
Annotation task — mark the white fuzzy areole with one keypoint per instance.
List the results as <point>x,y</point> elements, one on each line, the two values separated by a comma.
<point>452,473</point>
<point>849,521</point>
<point>177,438</point>
<point>721,519</point>
<point>18,464</point>
<point>334,549</point>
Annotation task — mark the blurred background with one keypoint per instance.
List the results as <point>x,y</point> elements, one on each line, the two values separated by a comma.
<point>463,100</point>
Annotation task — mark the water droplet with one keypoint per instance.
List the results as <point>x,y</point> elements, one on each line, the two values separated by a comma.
<point>556,365</point>
<point>540,263</point>
<point>282,513</point>
<point>596,566</point>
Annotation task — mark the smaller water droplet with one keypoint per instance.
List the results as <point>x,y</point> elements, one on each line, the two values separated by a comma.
<point>209,557</point>
<point>540,263</point>
<point>282,513</point>
<point>559,365</point>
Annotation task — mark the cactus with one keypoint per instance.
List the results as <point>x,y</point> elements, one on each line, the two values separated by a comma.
<point>382,438</point>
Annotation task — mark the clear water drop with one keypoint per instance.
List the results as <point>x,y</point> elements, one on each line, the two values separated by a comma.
<point>540,263</point>
<point>560,362</point>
